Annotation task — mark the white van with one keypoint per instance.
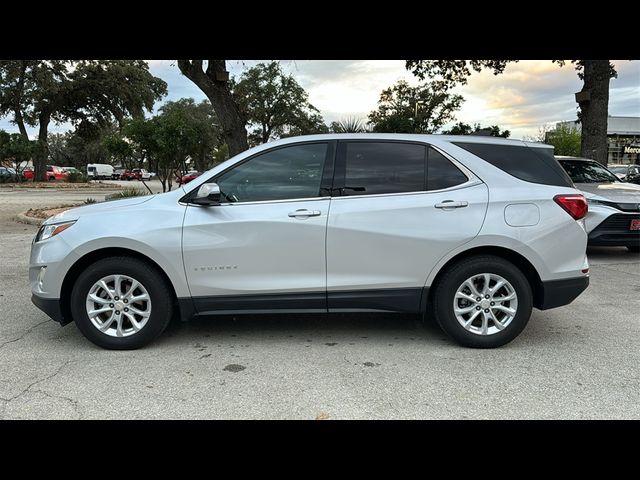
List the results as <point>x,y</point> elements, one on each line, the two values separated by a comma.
<point>99,170</point>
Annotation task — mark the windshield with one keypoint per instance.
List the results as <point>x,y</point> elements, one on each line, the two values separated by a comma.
<point>587,172</point>
<point>618,169</point>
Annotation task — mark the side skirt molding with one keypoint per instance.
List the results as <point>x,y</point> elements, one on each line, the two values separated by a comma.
<point>404,300</point>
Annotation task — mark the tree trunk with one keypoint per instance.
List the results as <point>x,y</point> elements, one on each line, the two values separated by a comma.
<point>20,122</point>
<point>593,112</point>
<point>40,158</point>
<point>214,85</point>
<point>17,108</point>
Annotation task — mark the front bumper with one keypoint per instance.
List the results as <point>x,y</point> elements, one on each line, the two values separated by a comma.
<point>614,231</point>
<point>556,293</point>
<point>50,306</point>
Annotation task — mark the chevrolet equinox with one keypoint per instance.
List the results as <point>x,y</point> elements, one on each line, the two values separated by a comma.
<point>471,231</point>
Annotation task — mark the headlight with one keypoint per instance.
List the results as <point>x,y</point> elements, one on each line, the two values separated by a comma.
<point>51,230</point>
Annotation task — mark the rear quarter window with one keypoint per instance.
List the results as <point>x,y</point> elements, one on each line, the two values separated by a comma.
<point>530,164</point>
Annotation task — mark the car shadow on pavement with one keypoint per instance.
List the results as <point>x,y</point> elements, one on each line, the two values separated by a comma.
<point>611,254</point>
<point>379,327</point>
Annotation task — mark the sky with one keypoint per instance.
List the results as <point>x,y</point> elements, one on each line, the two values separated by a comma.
<point>526,96</point>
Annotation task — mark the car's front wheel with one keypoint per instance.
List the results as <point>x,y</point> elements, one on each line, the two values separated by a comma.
<point>121,303</point>
<point>482,301</point>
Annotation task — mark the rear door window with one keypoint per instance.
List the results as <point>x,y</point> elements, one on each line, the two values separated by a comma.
<point>371,168</point>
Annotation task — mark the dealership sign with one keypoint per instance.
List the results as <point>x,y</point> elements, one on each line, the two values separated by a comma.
<point>631,149</point>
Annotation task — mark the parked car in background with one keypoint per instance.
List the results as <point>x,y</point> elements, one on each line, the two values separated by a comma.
<point>70,169</point>
<point>135,174</point>
<point>614,206</point>
<point>99,171</point>
<point>626,173</point>
<point>187,177</point>
<point>117,174</point>
<point>471,231</point>
<point>142,174</point>
<point>28,173</point>
<point>56,173</point>
<point>8,173</point>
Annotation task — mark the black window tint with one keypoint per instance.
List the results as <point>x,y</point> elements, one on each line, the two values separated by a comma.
<point>441,173</point>
<point>289,172</point>
<point>379,167</point>
<point>532,164</point>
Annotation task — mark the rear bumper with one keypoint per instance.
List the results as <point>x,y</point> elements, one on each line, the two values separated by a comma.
<point>50,306</point>
<point>556,293</point>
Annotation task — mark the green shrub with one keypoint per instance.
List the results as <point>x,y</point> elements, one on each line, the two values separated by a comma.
<point>126,192</point>
<point>76,177</point>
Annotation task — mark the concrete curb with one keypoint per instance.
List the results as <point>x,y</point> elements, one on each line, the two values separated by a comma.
<point>22,218</point>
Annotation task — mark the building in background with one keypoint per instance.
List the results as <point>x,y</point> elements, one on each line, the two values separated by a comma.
<point>623,137</point>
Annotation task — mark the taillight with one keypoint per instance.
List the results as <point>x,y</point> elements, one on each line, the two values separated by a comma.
<point>574,204</point>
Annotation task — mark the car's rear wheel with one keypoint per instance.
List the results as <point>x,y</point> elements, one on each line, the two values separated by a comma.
<point>634,248</point>
<point>482,302</point>
<point>121,303</point>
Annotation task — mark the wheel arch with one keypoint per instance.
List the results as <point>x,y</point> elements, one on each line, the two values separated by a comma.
<point>520,261</point>
<point>92,257</point>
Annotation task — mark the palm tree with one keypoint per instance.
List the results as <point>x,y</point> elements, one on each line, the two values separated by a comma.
<point>349,125</point>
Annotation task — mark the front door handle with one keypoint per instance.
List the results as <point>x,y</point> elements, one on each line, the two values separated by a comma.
<point>451,204</point>
<point>304,213</point>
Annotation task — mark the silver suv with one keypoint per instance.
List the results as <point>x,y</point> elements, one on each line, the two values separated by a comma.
<point>471,231</point>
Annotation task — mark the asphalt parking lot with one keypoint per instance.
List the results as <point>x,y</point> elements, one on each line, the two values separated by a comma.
<point>577,362</point>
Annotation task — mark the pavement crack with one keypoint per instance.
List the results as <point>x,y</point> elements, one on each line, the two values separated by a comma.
<point>37,382</point>
<point>27,332</point>
<point>73,402</point>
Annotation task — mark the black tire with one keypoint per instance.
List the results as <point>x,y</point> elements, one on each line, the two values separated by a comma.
<point>52,179</point>
<point>447,285</point>
<point>159,292</point>
<point>634,248</point>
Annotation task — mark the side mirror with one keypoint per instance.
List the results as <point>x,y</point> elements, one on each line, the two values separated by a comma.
<point>208,194</point>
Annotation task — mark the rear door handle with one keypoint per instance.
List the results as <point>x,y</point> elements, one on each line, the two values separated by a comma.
<point>451,204</point>
<point>304,213</point>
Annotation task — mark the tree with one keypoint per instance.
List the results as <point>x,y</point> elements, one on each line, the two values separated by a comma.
<point>421,109</point>
<point>182,130</point>
<point>275,105</point>
<point>349,125</point>
<point>214,83</point>
<point>593,100</point>
<point>37,92</point>
<point>565,140</point>
<point>119,148</point>
<point>202,118</point>
<point>59,150</point>
<point>149,138</point>
<point>462,128</point>
<point>15,149</point>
